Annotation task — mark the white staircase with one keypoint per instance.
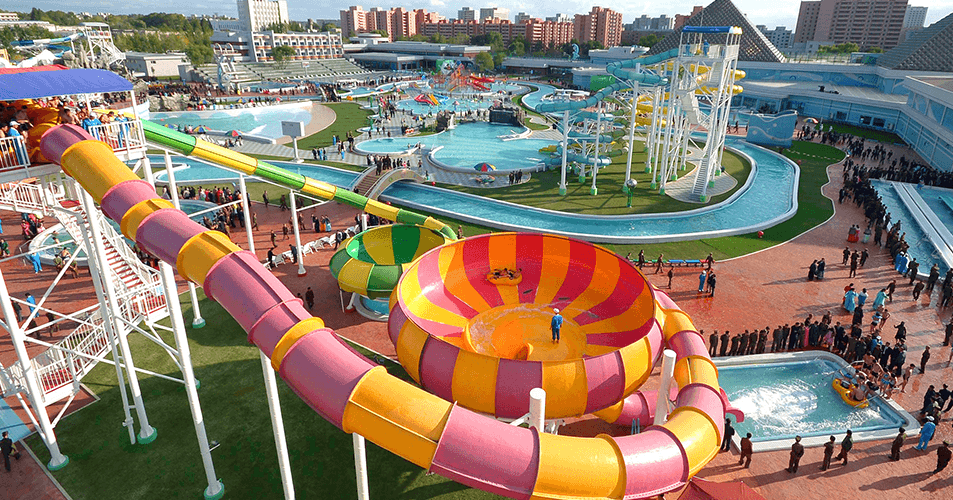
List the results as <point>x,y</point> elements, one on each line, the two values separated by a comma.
<point>140,297</point>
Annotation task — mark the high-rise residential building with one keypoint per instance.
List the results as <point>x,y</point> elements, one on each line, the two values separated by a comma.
<point>397,22</point>
<point>466,14</point>
<point>646,23</point>
<point>913,21</point>
<point>493,13</point>
<point>780,36</point>
<point>681,18</point>
<point>868,23</point>
<point>915,17</point>
<point>354,21</point>
<point>522,17</point>
<point>560,18</point>
<point>599,25</point>
<point>256,15</point>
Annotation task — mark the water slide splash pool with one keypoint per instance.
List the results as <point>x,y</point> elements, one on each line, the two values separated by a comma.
<point>359,397</point>
<point>264,121</point>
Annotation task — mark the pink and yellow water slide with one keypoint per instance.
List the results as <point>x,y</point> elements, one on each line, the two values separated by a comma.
<point>470,321</point>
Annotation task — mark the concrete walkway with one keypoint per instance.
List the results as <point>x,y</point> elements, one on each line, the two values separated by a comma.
<point>681,189</point>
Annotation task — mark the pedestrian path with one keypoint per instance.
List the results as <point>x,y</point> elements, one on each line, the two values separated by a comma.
<point>681,189</point>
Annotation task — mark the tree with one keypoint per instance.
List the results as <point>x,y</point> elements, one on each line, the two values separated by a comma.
<point>288,27</point>
<point>329,27</point>
<point>649,40</point>
<point>875,50</point>
<point>281,54</point>
<point>484,61</point>
<point>518,46</point>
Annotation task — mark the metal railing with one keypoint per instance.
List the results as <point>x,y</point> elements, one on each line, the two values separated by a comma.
<point>13,153</point>
<point>26,196</point>
<point>121,136</point>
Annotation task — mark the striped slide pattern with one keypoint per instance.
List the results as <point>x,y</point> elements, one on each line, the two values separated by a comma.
<point>359,397</point>
<point>457,333</point>
<point>371,263</point>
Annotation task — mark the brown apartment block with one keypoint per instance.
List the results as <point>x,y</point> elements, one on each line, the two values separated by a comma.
<point>868,23</point>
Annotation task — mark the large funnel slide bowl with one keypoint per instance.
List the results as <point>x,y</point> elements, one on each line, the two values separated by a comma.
<point>471,323</point>
<point>371,262</point>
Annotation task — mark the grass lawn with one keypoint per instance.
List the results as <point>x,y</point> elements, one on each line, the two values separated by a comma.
<point>542,190</point>
<point>103,465</point>
<point>813,209</point>
<point>876,135</point>
<point>350,117</point>
<point>530,124</point>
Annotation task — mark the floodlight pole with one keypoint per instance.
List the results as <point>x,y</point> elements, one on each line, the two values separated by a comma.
<point>302,272</point>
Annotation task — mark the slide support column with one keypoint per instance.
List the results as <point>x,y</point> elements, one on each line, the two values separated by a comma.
<point>215,487</point>
<point>537,409</point>
<point>297,229</point>
<point>34,392</point>
<point>278,427</point>
<point>360,467</point>
<point>595,162</point>
<point>246,213</point>
<point>668,371</point>
<point>197,320</point>
<point>628,161</point>
<point>562,174</point>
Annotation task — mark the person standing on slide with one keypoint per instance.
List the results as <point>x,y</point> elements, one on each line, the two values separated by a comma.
<point>556,324</point>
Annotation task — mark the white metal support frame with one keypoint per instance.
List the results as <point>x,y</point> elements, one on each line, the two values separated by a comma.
<point>668,371</point>
<point>34,393</point>
<point>147,433</point>
<point>271,384</point>
<point>197,320</point>
<point>360,467</point>
<point>562,173</point>
<point>302,272</point>
<point>94,271</point>
<point>215,489</point>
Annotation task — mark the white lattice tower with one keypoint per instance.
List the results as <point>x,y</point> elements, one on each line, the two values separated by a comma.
<point>100,49</point>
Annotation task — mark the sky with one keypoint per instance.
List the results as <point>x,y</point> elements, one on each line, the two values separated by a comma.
<point>777,13</point>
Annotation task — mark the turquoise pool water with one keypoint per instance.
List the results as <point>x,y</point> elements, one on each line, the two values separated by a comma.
<point>264,121</point>
<point>940,200</point>
<point>470,144</point>
<point>921,247</point>
<point>781,400</point>
<point>769,195</point>
<point>455,104</point>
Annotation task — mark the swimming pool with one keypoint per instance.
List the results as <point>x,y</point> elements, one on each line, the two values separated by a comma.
<point>770,197</point>
<point>921,247</point>
<point>783,395</point>
<point>940,200</point>
<point>260,121</point>
<point>447,103</point>
<point>468,145</point>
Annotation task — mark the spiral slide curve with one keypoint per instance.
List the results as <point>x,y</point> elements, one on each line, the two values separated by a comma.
<point>348,390</point>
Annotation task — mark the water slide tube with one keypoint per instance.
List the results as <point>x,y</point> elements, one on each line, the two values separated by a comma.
<point>357,396</point>
<point>620,70</point>
<point>237,162</point>
<point>371,263</point>
<point>557,158</point>
<point>422,98</point>
<point>351,392</point>
<point>43,42</point>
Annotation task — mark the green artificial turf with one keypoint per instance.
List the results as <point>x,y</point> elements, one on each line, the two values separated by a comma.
<point>350,116</point>
<point>876,135</point>
<point>542,190</point>
<point>103,465</point>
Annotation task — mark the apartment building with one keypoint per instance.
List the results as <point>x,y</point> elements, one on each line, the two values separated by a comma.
<point>397,22</point>
<point>600,25</point>
<point>868,23</point>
